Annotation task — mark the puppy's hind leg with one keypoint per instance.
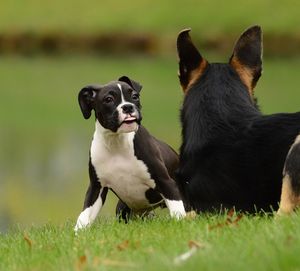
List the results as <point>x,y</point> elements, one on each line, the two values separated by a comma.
<point>123,212</point>
<point>290,193</point>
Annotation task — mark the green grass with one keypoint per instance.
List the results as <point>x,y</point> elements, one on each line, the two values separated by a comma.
<point>44,139</point>
<point>252,243</point>
<point>163,17</point>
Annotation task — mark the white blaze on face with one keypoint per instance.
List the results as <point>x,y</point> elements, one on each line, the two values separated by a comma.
<point>126,127</point>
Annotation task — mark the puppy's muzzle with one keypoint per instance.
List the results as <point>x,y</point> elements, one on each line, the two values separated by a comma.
<point>130,114</point>
<point>129,118</point>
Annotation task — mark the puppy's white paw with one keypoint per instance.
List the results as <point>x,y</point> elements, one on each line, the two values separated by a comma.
<point>176,208</point>
<point>83,220</point>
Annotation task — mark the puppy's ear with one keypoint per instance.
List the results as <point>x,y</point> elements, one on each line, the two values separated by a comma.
<point>86,98</point>
<point>191,63</point>
<point>247,57</point>
<point>135,85</point>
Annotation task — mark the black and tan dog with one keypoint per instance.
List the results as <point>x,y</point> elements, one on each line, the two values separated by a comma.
<point>232,155</point>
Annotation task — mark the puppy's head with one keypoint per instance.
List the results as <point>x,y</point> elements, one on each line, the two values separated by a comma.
<point>116,104</point>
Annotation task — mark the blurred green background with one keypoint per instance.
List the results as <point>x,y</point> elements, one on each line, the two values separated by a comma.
<point>49,50</point>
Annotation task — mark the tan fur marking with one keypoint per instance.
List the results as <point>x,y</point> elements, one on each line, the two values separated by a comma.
<point>289,201</point>
<point>195,75</point>
<point>297,140</point>
<point>244,73</point>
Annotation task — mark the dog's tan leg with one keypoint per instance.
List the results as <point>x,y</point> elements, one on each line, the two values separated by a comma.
<point>290,193</point>
<point>288,201</point>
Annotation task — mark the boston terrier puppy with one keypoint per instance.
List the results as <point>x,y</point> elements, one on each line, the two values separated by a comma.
<point>124,157</point>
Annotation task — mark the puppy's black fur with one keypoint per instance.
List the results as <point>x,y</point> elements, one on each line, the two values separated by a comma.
<point>125,157</point>
<point>232,155</point>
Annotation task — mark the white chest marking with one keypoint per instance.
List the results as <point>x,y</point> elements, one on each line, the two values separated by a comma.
<point>118,168</point>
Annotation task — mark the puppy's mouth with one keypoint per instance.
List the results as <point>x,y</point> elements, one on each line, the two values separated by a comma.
<point>129,120</point>
<point>129,123</point>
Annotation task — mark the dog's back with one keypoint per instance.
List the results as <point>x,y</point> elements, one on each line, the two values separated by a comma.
<point>232,155</point>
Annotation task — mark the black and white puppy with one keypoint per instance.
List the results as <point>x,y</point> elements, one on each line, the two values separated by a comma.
<point>124,157</point>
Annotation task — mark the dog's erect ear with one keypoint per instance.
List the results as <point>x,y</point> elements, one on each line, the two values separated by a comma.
<point>247,57</point>
<point>191,63</point>
<point>135,85</point>
<point>86,99</point>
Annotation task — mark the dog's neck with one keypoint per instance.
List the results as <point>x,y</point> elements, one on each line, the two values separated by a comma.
<point>111,140</point>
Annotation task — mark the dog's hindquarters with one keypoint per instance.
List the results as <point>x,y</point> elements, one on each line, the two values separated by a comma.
<point>162,169</point>
<point>290,193</point>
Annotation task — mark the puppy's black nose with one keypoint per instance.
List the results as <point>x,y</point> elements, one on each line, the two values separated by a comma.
<point>127,108</point>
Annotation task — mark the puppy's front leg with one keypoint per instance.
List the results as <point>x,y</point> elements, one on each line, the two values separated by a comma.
<point>94,200</point>
<point>172,198</point>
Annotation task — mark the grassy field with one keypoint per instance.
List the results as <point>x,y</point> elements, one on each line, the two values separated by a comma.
<point>222,242</point>
<point>45,140</point>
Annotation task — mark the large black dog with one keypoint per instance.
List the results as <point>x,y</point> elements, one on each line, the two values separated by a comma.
<point>232,155</point>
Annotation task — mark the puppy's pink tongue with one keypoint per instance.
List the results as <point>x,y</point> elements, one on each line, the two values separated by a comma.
<point>130,118</point>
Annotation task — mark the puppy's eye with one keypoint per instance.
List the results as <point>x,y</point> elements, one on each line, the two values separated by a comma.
<point>108,99</point>
<point>135,97</point>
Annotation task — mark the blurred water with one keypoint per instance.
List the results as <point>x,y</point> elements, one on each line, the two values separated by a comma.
<point>44,181</point>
